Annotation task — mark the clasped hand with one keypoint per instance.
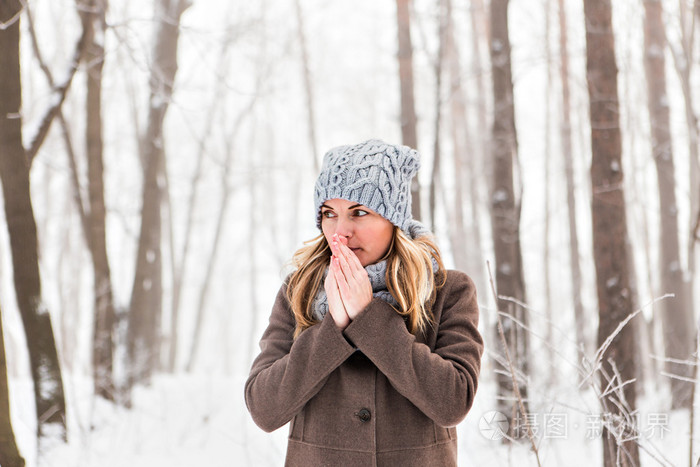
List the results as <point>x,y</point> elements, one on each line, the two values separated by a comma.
<point>347,285</point>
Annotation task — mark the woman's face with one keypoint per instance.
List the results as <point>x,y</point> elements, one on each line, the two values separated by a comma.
<point>367,233</point>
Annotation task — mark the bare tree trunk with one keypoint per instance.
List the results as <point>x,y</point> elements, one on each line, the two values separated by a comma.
<point>467,152</point>
<point>172,338</point>
<point>549,334</point>
<point>211,263</point>
<point>409,135</point>
<point>9,454</point>
<point>574,256</point>
<point>253,272</point>
<point>308,88</point>
<point>146,297</point>
<point>226,191</point>
<point>480,33</point>
<point>21,225</point>
<point>93,221</point>
<point>70,288</point>
<point>618,365</point>
<point>180,267</point>
<point>92,13</point>
<point>253,234</point>
<point>677,314</point>
<point>682,60</point>
<point>688,34</point>
<point>694,157</point>
<point>648,368</point>
<point>505,211</point>
<point>478,157</point>
<point>435,173</point>
<point>459,128</point>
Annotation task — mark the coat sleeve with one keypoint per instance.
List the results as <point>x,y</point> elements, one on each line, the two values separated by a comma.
<point>287,372</point>
<point>441,383</point>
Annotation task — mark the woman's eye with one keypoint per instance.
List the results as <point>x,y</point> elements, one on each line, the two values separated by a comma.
<point>328,214</point>
<point>360,212</point>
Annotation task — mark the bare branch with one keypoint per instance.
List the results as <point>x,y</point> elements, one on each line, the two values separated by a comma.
<point>678,377</point>
<point>6,24</point>
<point>35,49</point>
<point>498,358</point>
<point>617,388</point>
<point>64,127</point>
<point>60,91</point>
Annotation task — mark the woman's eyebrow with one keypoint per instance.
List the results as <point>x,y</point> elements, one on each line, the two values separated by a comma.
<point>351,207</point>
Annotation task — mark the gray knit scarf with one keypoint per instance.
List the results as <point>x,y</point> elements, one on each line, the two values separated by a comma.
<point>377,276</point>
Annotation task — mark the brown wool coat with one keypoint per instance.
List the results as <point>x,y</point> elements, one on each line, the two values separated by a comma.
<point>373,394</point>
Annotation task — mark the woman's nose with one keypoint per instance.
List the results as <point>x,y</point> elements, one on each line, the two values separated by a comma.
<point>344,227</point>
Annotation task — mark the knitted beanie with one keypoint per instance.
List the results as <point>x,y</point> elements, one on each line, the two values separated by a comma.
<point>375,174</point>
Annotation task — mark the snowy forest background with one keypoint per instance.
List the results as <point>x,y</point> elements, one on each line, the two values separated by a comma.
<point>175,181</point>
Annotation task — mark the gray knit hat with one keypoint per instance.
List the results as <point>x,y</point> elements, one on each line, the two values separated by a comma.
<point>375,174</point>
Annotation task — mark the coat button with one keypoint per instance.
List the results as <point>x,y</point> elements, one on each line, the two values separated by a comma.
<point>364,415</point>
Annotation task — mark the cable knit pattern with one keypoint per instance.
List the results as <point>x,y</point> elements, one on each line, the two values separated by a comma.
<point>375,174</point>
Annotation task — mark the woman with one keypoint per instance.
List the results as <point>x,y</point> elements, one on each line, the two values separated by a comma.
<point>372,350</point>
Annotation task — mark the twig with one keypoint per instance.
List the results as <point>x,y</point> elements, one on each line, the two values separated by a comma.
<point>624,407</point>
<point>623,416</point>
<point>516,387</point>
<point>692,362</point>
<point>608,341</point>
<point>546,343</point>
<point>613,389</point>
<point>601,350</point>
<point>619,424</point>
<point>595,365</point>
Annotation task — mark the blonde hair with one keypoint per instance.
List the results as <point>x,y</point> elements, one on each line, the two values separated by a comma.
<point>410,279</point>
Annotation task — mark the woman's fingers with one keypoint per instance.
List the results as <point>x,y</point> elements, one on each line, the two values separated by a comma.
<point>336,307</point>
<point>340,244</point>
<point>340,276</point>
<point>349,264</point>
<point>353,285</point>
<point>332,291</point>
<point>344,264</point>
<point>351,279</point>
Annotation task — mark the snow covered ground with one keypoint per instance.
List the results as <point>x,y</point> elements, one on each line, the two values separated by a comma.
<point>201,420</point>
